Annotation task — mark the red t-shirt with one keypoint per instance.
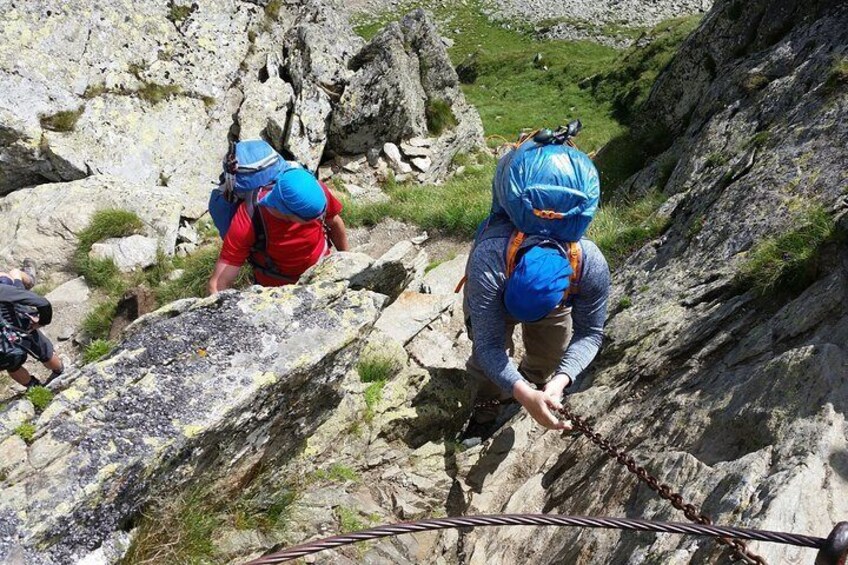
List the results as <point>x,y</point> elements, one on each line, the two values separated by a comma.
<point>293,247</point>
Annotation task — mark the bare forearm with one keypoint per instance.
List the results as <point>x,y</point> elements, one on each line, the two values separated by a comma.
<point>338,234</point>
<point>223,277</point>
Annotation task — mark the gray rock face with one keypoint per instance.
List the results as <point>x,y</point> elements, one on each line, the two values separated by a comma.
<point>385,98</point>
<point>141,95</point>
<point>126,429</point>
<point>41,222</point>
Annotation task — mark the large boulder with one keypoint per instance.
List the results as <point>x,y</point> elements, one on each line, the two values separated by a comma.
<point>137,89</point>
<point>42,222</point>
<point>201,391</point>
<point>403,74</point>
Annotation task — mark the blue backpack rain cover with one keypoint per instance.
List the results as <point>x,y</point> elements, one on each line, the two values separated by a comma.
<point>547,189</point>
<point>252,165</point>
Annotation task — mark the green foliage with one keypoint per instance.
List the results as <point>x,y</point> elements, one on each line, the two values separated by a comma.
<point>755,82</point>
<point>94,90</point>
<point>349,520</point>
<point>178,530</point>
<point>103,273</point>
<point>96,350</point>
<point>696,227</point>
<point>837,79</point>
<point>178,13</point>
<point>337,473</point>
<point>267,514</point>
<point>155,93</point>
<point>272,9</point>
<point>98,322</point>
<point>760,139</point>
<point>628,80</point>
<point>621,229</point>
<point>455,207</point>
<point>375,368</point>
<point>790,261</point>
<point>373,395</point>
<point>625,302</point>
<point>64,121</point>
<point>26,432</point>
<point>439,116</point>
<point>715,159</point>
<point>108,223</point>
<point>40,397</point>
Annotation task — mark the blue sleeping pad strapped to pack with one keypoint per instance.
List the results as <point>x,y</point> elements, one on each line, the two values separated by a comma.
<point>256,165</point>
<point>547,189</point>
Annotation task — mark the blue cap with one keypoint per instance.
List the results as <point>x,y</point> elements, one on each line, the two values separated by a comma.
<point>298,193</point>
<point>537,284</point>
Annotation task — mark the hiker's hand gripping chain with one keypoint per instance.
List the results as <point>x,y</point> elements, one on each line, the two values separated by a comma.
<point>540,405</point>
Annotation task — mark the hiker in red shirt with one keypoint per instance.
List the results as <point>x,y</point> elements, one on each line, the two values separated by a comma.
<point>298,219</point>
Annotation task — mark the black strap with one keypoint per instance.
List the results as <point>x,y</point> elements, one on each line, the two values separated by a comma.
<point>259,257</point>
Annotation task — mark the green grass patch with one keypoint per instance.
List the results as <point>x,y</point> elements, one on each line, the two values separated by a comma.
<point>350,520</point>
<point>177,530</point>
<point>155,93</point>
<point>336,473</point>
<point>272,9</point>
<point>439,115</point>
<point>97,350</point>
<point>63,121</point>
<point>375,368</point>
<point>621,229</point>
<point>104,224</point>
<point>98,322</point>
<point>790,261</point>
<point>837,78</point>
<point>625,302</point>
<point>456,207</point>
<point>715,159</point>
<point>40,397</point>
<point>373,395</point>
<point>177,13</point>
<point>26,432</point>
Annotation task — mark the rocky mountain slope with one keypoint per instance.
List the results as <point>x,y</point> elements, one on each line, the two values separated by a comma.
<point>725,379</point>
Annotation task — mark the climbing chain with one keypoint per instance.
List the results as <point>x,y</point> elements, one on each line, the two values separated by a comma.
<point>740,551</point>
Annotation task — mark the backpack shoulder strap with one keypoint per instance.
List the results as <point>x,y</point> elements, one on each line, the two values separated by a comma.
<point>575,258</point>
<point>515,241</point>
<point>255,214</point>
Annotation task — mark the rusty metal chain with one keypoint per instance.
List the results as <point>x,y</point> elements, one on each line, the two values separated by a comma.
<point>739,549</point>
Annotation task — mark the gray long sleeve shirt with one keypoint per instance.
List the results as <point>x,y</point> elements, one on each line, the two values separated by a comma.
<point>484,295</point>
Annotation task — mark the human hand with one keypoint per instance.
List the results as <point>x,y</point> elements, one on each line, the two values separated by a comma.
<point>557,385</point>
<point>540,406</point>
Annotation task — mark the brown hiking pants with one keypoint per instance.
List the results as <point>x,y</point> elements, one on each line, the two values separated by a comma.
<point>545,343</point>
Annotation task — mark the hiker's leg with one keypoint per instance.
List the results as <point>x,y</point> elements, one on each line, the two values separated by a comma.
<point>21,376</point>
<point>545,343</point>
<point>42,347</point>
<point>55,364</point>
<point>21,279</point>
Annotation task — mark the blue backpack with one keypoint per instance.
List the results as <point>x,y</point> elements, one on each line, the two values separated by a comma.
<point>546,189</point>
<point>249,166</point>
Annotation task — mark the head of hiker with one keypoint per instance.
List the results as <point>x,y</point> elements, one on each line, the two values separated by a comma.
<point>537,285</point>
<point>296,195</point>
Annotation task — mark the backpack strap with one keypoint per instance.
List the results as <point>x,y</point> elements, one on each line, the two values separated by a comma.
<point>515,241</point>
<point>259,258</point>
<point>575,258</point>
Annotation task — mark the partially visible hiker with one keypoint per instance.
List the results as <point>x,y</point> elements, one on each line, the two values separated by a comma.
<point>556,286</point>
<point>22,313</point>
<point>21,278</point>
<point>283,222</point>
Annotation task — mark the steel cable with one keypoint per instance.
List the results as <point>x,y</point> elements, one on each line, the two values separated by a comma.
<point>630,524</point>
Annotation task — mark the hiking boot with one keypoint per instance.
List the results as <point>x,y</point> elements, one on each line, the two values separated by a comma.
<point>33,382</point>
<point>476,432</point>
<point>29,269</point>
